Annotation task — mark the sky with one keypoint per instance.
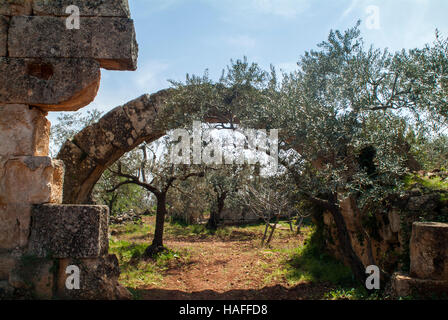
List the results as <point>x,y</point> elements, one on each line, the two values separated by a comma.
<point>177,37</point>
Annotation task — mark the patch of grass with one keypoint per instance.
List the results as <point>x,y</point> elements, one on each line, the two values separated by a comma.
<point>136,272</point>
<point>132,230</point>
<point>140,275</point>
<point>125,250</point>
<point>359,293</point>
<point>274,276</point>
<point>309,264</point>
<point>172,259</point>
<point>177,228</point>
<point>224,233</point>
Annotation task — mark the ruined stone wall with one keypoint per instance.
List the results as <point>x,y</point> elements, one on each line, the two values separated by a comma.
<point>414,253</point>
<point>46,65</point>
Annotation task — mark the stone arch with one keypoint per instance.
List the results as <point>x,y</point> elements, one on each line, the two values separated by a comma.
<point>96,147</point>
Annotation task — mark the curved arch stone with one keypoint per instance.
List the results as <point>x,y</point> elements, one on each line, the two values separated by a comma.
<point>98,146</point>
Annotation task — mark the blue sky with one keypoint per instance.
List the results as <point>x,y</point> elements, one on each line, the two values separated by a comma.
<point>188,36</point>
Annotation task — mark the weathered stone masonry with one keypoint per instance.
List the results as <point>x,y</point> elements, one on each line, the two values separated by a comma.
<point>46,67</point>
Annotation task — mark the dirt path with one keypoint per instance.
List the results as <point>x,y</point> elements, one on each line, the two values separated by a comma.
<point>232,269</point>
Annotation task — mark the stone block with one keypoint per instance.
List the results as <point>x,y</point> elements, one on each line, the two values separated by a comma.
<point>26,130</point>
<point>111,41</point>
<point>406,286</point>
<point>43,280</point>
<point>50,84</point>
<point>31,180</point>
<point>16,7</point>
<point>63,231</point>
<point>87,8</point>
<point>98,279</point>
<point>4,23</point>
<point>15,225</point>
<point>36,275</point>
<point>429,251</point>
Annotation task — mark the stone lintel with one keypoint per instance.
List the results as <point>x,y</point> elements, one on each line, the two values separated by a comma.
<point>111,41</point>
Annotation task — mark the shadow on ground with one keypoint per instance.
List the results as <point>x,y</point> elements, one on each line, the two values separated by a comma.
<point>307,291</point>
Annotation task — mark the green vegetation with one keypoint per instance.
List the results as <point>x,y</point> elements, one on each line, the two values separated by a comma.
<point>358,293</point>
<point>137,272</point>
<point>432,183</point>
<point>308,263</point>
<point>133,230</point>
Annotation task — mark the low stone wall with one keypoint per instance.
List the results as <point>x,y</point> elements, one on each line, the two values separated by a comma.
<point>46,66</point>
<point>238,216</point>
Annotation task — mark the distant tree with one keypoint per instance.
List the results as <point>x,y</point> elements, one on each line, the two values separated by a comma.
<point>188,200</point>
<point>129,197</point>
<point>224,182</point>
<point>267,200</point>
<point>157,177</point>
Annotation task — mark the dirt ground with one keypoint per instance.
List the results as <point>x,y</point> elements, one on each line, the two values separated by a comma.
<point>236,267</point>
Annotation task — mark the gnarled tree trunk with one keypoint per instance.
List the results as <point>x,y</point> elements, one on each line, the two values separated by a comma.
<point>157,242</point>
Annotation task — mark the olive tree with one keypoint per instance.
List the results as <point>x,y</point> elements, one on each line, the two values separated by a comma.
<point>156,176</point>
<point>346,111</point>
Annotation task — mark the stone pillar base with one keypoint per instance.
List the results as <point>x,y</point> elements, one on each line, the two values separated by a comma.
<point>405,286</point>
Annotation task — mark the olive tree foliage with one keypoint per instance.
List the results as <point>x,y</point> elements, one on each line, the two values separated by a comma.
<point>346,111</point>
<point>428,70</point>
<point>430,151</point>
